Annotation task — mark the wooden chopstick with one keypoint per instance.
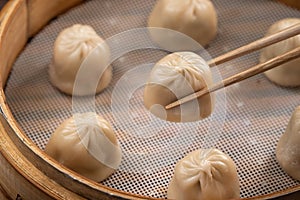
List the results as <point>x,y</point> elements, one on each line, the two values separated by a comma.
<point>256,45</point>
<point>262,67</point>
<point>279,60</point>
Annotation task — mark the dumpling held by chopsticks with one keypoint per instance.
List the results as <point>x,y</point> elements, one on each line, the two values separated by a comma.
<point>173,77</point>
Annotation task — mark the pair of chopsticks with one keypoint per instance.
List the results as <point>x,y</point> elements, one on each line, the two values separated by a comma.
<point>257,69</point>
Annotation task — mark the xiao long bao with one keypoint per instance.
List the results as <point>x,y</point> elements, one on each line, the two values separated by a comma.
<point>205,174</point>
<point>194,18</point>
<point>287,74</point>
<point>288,147</point>
<point>173,77</point>
<point>86,144</point>
<point>72,46</point>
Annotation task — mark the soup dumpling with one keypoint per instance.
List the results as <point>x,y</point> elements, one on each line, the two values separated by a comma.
<point>288,147</point>
<point>194,18</point>
<point>173,77</point>
<point>205,174</point>
<point>86,144</point>
<point>71,48</point>
<point>287,74</point>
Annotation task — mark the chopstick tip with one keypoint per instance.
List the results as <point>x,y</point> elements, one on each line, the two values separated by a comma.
<point>172,105</point>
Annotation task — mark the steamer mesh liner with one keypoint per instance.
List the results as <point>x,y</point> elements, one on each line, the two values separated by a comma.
<point>257,111</point>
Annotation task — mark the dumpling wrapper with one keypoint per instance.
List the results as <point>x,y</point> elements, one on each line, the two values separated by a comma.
<point>86,144</point>
<point>194,18</point>
<point>173,77</point>
<point>288,147</point>
<point>71,48</point>
<point>287,74</point>
<point>205,174</point>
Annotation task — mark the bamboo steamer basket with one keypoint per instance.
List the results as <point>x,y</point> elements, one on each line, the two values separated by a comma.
<point>26,172</point>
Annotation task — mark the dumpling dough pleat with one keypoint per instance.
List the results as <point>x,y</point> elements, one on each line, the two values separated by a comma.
<point>86,144</point>
<point>71,48</point>
<point>287,74</point>
<point>194,18</point>
<point>173,77</point>
<point>288,147</point>
<point>205,174</point>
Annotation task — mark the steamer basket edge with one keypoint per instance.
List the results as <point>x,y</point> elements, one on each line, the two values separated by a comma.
<point>37,174</point>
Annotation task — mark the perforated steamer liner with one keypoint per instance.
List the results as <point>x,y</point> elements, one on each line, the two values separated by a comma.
<point>257,111</point>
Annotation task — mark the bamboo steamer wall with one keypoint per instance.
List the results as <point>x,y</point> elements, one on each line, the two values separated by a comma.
<point>25,171</point>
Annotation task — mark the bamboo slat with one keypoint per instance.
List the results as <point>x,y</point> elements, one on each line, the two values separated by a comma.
<point>292,3</point>
<point>13,35</point>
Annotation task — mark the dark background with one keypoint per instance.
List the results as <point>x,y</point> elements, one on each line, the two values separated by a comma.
<point>2,3</point>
